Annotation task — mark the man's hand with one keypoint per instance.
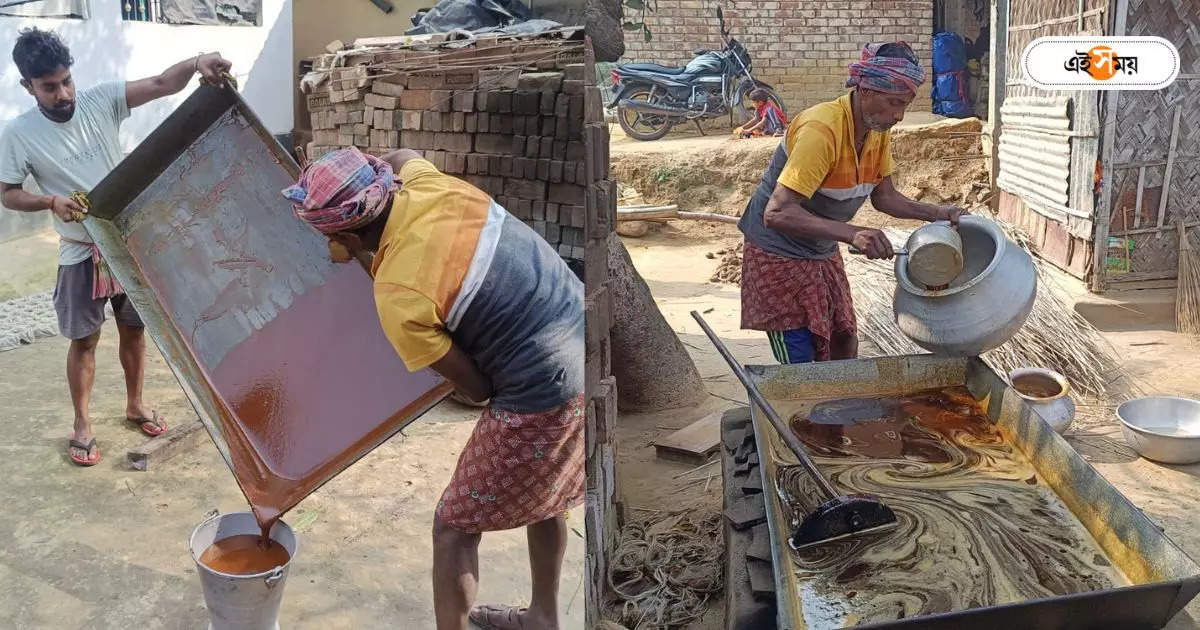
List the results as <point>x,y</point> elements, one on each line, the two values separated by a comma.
<point>67,209</point>
<point>952,214</point>
<point>172,81</point>
<point>872,243</point>
<point>211,67</point>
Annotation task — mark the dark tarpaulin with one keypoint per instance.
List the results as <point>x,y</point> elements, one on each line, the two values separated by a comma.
<point>470,15</point>
<point>220,12</point>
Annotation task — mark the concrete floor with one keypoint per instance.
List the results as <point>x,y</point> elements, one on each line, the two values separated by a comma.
<point>674,264</point>
<point>106,547</point>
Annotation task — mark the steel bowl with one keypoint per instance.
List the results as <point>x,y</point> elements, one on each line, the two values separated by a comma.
<point>1163,428</point>
<point>935,254</point>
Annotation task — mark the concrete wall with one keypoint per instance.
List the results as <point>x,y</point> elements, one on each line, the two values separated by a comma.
<point>106,48</point>
<point>802,47</point>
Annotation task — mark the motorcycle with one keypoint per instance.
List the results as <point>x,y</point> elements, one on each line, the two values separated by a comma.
<point>651,98</point>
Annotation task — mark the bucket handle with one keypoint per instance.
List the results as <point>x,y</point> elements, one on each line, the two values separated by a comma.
<point>274,578</point>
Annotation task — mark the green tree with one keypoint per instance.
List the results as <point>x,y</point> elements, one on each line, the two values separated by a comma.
<point>635,16</point>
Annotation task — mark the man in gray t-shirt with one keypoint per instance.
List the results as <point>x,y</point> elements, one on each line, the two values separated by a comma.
<point>68,143</point>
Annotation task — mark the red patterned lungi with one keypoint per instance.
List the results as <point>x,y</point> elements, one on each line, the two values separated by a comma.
<point>781,294</point>
<point>517,469</point>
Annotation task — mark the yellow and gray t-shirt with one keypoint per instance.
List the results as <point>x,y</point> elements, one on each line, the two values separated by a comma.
<point>456,268</point>
<point>817,159</point>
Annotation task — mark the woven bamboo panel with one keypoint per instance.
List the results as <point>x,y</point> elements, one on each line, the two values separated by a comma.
<point>1143,136</point>
<point>1029,20</point>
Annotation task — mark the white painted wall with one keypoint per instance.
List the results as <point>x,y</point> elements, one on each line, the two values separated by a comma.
<point>106,48</point>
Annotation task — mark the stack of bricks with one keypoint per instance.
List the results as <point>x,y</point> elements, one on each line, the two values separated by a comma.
<point>603,514</point>
<point>517,135</point>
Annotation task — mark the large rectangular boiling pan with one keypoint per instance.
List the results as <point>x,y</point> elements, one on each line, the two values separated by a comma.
<point>1164,578</point>
<point>244,303</point>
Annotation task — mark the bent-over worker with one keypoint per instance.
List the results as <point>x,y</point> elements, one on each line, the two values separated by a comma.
<point>833,157</point>
<point>464,287</point>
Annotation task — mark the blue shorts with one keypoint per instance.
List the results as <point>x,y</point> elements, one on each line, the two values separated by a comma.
<point>792,346</point>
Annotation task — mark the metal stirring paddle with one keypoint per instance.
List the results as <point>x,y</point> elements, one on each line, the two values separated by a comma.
<point>838,516</point>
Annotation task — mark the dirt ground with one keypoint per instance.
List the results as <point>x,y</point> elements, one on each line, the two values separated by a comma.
<point>28,264</point>
<point>936,163</point>
<point>107,547</point>
<point>677,259</point>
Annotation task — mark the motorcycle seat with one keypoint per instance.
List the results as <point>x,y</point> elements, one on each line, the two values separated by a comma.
<point>650,67</point>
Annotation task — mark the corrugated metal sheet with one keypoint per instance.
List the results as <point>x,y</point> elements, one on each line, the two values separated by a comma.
<point>1035,154</point>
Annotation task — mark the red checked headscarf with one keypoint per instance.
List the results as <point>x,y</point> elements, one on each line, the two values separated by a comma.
<point>892,75</point>
<point>343,190</point>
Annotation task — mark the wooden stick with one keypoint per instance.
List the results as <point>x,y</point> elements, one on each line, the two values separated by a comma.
<point>1166,187</point>
<point>646,208</point>
<point>701,466</point>
<point>669,212</point>
<point>1060,20</point>
<point>1137,205</point>
<point>1125,226</point>
<point>175,441</point>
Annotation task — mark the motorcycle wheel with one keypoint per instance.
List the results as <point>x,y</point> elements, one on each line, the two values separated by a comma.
<point>745,112</point>
<point>640,125</point>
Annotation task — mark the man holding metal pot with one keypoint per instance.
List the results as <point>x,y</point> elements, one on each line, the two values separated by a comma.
<point>834,156</point>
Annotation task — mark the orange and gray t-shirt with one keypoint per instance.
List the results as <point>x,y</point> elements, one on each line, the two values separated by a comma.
<point>817,159</point>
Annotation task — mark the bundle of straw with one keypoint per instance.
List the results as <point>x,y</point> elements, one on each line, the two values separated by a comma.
<point>1053,337</point>
<point>665,569</point>
<point>1187,291</point>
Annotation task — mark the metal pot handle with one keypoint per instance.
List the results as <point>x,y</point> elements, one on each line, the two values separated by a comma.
<point>274,578</point>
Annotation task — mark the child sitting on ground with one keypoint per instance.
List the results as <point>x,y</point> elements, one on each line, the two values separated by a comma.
<point>768,119</point>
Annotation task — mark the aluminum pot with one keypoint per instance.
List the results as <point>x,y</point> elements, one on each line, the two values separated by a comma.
<point>1162,428</point>
<point>984,306</point>
<point>1048,393</point>
<point>934,254</point>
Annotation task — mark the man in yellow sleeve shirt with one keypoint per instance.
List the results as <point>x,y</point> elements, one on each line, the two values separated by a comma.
<point>466,289</point>
<point>834,156</point>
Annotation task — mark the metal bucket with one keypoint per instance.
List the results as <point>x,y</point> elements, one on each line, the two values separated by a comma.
<point>241,602</point>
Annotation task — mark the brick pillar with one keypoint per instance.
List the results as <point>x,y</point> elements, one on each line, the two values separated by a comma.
<point>603,518</point>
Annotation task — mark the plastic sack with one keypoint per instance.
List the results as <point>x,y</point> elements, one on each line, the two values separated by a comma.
<point>949,53</point>
<point>470,15</point>
<point>950,95</point>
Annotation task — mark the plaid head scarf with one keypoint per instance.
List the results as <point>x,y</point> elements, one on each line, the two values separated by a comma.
<point>892,75</point>
<point>343,190</point>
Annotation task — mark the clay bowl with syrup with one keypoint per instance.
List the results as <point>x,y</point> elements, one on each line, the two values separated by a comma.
<point>1164,429</point>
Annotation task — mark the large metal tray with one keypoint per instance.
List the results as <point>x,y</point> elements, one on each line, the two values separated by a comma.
<point>278,348</point>
<point>1164,579</point>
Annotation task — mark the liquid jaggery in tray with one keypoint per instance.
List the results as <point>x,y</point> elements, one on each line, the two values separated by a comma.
<point>977,526</point>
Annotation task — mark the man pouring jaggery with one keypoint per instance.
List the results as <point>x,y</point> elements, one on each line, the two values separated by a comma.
<point>465,288</point>
<point>833,157</point>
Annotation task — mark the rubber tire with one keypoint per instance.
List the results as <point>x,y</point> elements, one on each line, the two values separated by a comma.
<point>637,135</point>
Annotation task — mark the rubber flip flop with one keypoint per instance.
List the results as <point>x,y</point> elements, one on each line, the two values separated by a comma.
<point>492,617</point>
<point>87,447</point>
<point>160,425</point>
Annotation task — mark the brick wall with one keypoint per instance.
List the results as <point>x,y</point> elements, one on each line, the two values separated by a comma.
<point>518,135</point>
<point>801,47</point>
<point>603,514</point>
